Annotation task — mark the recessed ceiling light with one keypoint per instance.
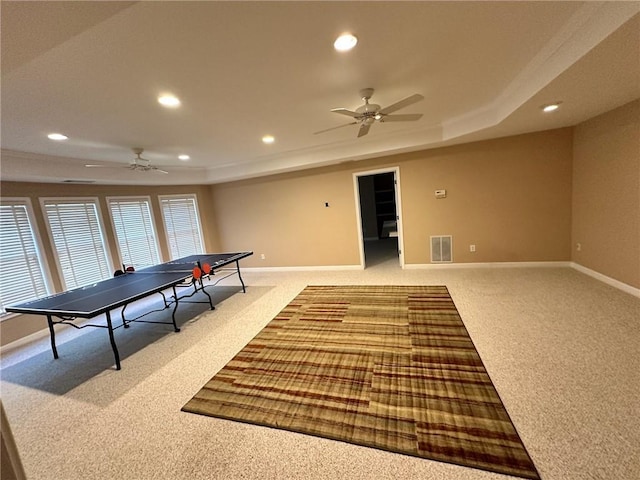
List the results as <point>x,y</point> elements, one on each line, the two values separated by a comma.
<point>169,101</point>
<point>57,136</point>
<point>268,139</point>
<point>551,107</point>
<point>345,42</point>
<point>184,157</point>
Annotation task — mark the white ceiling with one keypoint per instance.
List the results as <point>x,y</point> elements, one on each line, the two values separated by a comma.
<point>94,70</point>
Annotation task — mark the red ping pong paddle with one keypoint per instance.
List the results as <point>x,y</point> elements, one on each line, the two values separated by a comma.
<point>197,273</point>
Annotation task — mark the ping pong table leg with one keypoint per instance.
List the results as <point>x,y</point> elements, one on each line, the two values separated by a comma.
<point>207,294</point>
<point>175,307</point>
<point>124,320</point>
<point>113,341</point>
<point>244,290</point>
<point>53,336</point>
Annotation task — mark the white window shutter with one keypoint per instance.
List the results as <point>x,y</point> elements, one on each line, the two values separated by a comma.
<point>135,231</point>
<point>77,236</point>
<point>22,276</point>
<point>182,225</point>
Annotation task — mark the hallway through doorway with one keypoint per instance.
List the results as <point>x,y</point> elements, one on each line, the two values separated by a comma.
<point>382,251</point>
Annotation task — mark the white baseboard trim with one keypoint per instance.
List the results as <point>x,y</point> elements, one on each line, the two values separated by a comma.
<point>437,266</point>
<point>608,280</point>
<point>302,269</point>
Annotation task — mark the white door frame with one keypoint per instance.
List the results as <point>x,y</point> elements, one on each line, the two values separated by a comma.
<point>356,187</point>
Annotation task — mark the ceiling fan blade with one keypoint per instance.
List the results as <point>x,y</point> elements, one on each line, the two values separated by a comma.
<point>402,103</point>
<point>333,128</point>
<point>407,117</point>
<point>344,111</point>
<point>364,129</point>
<point>138,164</point>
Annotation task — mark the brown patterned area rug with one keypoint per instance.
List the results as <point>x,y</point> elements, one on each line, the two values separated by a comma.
<point>390,367</point>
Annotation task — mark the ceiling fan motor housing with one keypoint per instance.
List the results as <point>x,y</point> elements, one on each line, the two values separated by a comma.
<point>368,108</point>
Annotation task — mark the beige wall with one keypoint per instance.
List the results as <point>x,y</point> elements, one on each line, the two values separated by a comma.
<point>606,194</point>
<point>510,197</point>
<point>284,217</point>
<point>19,326</point>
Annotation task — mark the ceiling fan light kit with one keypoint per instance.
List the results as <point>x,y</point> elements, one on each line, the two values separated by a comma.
<point>367,114</point>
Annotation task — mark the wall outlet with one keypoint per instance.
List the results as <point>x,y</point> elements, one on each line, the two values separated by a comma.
<point>578,247</point>
<point>262,257</point>
<point>472,248</point>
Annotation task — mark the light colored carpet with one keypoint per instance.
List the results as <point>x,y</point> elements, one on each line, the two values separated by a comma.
<point>560,347</point>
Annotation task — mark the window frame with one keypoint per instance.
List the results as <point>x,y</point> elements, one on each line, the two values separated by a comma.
<point>38,245</point>
<point>124,198</point>
<point>191,196</point>
<point>105,242</point>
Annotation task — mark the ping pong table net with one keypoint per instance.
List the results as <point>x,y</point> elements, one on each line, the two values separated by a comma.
<point>198,271</point>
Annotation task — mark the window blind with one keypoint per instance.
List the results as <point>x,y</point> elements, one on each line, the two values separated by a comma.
<point>77,235</point>
<point>135,232</point>
<point>22,277</point>
<point>182,224</point>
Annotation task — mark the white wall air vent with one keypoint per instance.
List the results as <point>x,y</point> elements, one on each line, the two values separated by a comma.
<point>441,249</point>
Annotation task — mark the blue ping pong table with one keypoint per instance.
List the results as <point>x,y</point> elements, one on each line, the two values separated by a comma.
<point>120,291</point>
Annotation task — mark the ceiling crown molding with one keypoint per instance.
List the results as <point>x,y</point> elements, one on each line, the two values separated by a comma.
<point>588,26</point>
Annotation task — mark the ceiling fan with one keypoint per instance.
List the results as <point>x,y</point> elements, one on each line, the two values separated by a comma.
<point>138,164</point>
<point>367,114</point>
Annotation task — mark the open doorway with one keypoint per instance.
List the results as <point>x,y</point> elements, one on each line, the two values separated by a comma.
<point>379,226</point>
